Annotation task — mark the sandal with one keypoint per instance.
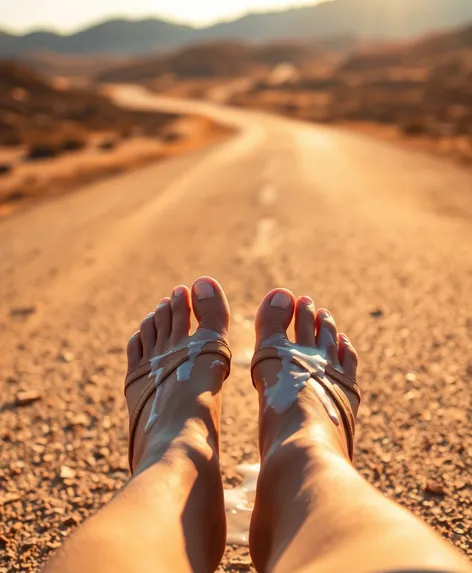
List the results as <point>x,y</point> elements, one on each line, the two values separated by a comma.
<point>321,372</point>
<point>159,368</point>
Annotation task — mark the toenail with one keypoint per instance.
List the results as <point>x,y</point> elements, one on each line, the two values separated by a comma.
<point>281,300</point>
<point>325,313</point>
<point>203,290</point>
<point>178,291</point>
<point>345,338</point>
<point>164,302</point>
<point>307,300</point>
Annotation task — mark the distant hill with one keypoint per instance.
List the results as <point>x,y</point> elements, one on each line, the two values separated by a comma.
<point>434,49</point>
<point>380,19</point>
<point>213,59</point>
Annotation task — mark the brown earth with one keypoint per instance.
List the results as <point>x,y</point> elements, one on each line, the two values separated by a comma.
<point>103,157</point>
<point>378,234</point>
<point>35,113</point>
<point>421,89</point>
<point>54,139</point>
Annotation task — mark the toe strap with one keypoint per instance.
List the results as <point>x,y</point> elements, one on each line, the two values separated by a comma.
<point>169,364</point>
<point>331,374</point>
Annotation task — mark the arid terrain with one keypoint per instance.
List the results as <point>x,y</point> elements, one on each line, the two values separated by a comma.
<point>339,168</point>
<point>417,92</point>
<point>378,234</point>
<point>54,138</point>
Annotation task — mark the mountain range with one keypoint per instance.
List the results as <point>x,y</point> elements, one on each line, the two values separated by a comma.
<point>376,19</point>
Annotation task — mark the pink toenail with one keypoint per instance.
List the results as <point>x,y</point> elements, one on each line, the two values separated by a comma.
<point>325,313</point>
<point>281,300</point>
<point>306,300</point>
<point>178,291</point>
<point>345,338</point>
<point>203,290</point>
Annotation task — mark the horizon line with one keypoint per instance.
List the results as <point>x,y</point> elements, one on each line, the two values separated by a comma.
<point>297,5</point>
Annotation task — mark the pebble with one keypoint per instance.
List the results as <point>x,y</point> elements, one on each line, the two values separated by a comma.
<point>23,311</point>
<point>27,397</point>
<point>67,473</point>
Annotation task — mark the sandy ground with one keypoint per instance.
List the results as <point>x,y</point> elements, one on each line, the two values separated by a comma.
<point>379,235</point>
<point>31,181</point>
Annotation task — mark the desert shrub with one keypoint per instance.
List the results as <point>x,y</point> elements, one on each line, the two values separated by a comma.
<point>170,136</point>
<point>73,144</point>
<point>108,144</point>
<point>5,168</point>
<point>413,126</point>
<point>42,150</point>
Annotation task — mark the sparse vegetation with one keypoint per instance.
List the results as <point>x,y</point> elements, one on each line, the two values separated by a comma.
<point>423,89</point>
<point>5,168</point>
<point>108,144</point>
<point>50,121</point>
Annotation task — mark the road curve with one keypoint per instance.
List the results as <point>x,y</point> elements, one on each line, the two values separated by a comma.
<point>379,234</point>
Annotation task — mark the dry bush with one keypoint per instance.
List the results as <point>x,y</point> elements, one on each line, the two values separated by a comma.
<point>108,144</point>
<point>34,112</point>
<point>5,168</point>
<point>51,143</point>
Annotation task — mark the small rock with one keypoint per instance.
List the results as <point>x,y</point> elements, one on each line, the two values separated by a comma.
<point>23,311</point>
<point>80,420</point>
<point>71,521</point>
<point>116,350</point>
<point>410,377</point>
<point>66,357</point>
<point>27,397</point>
<point>377,313</point>
<point>67,473</point>
<point>434,487</point>
<point>241,564</point>
<point>8,498</point>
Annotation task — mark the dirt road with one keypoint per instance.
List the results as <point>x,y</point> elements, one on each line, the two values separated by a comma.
<point>381,236</point>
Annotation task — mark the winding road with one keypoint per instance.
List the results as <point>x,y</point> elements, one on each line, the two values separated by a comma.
<point>380,235</point>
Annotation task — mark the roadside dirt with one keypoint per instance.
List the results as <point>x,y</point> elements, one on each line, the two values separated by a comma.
<point>377,234</point>
<point>31,182</point>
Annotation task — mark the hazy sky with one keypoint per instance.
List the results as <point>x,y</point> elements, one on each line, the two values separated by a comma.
<point>66,15</point>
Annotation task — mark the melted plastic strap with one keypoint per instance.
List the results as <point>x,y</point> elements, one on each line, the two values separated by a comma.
<point>169,365</point>
<point>339,398</point>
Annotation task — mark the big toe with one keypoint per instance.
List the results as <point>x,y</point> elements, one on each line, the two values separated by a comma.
<point>274,315</point>
<point>210,305</point>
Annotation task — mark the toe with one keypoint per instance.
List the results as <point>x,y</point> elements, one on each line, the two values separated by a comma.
<point>163,322</point>
<point>305,317</point>
<point>134,351</point>
<point>347,356</point>
<point>274,315</point>
<point>148,336</point>
<point>180,304</point>
<point>210,305</point>
<point>327,335</point>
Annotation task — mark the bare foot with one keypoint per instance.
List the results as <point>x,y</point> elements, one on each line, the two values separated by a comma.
<point>177,419</point>
<point>298,415</point>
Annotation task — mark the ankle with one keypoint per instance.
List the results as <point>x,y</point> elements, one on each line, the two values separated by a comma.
<point>310,445</point>
<point>188,447</point>
<point>305,426</point>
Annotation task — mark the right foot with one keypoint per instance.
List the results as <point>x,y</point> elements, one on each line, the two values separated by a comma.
<point>178,425</point>
<point>295,423</point>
